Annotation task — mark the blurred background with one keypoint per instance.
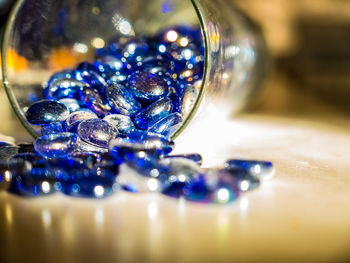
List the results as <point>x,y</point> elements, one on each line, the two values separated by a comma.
<point>308,41</point>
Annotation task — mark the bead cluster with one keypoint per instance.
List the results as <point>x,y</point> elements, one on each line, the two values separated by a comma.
<point>107,127</point>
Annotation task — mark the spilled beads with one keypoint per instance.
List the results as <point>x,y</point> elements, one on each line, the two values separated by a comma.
<point>107,125</point>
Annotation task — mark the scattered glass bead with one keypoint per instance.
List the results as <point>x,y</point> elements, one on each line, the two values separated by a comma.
<point>94,101</point>
<point>153,113</point>
<point>46,112</point>
<point>195,157</point>
<point>79,116</point>
<point>122,99</point>
<point>87,72</point>
<point>167,126</point>
<point>261,169</point>
<point>147,86</point>
<point>122,123</point>
<point>56,145</point>
<point>97,132</point>
<point>188,100</point>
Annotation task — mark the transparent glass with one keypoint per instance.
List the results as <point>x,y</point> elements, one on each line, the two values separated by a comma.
<point>37,31</point>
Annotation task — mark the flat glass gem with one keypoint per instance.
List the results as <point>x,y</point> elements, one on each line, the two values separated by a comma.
<point>64,88</point>
<point>195,157</point>
<point>246,181</point>
<point>94,101</point>
<point>147,86</point>
<point>262,169</point>
<point>122,100</point>
<point>153,113</point>
<point>168,126</point>
<point>121,122</point>
<point>66,74</point>
<point>56,145</point>
<point>88,73</point>
<point>181,172</point>
<point>87,147</point>
<point>97,132</point>
<point>47,112</point>
<point>188,100</point>
<point>71,104</point>
<point>80,116</point>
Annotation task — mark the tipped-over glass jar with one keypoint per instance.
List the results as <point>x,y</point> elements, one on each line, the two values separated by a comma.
<point>41,38</point>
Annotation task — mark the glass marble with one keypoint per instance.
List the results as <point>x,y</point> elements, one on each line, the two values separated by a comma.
<point>79,116</point>
<point>51,129</point>
<point>97,132</point>
<point>153,113</point>
<point>88,73</point>
<point>94,101</point>
<point>132,181</point>
<point>147,86</point>
<point>213,187</point>
<point>122,99</point>
<point>56,145</point>
<point>64,88</point>
<point>90,183</point>
<point>261,169</point>
<point>46,112</point>
<point>167,126</point>
<point>195,157</point>
<point>181,172</point>
<point>122,123</point>
<point>71,104</point>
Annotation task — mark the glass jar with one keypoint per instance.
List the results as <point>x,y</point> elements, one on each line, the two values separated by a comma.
<point>43,37</point>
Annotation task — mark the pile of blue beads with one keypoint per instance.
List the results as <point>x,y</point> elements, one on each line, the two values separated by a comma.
<point>107,127</point>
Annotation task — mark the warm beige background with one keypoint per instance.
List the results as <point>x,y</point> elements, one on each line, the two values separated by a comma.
<point>301,215</point>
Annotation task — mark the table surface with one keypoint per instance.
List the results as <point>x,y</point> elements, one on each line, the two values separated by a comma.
<point>301,215</point>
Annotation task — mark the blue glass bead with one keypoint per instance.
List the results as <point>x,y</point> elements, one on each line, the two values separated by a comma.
<point>34,181</point>
<point>213,187</point>
<point>260,169</point>
<point>153,113</point>
<point>113,68</point>
<point>90,183</point>
<point>97,132</point>
<point>126,150</point>
<point>94,101</point>
<point>122,100</point>
<point>51,129</point>
<point>147,86</point>
<point>168,126</point>
<point>88,73</point>
<point>135,50</point>
<point>181,172</point>
<point>79,116</point>
<point>195,157</point>
<point>246,181</point>
<point>88,159</point>
<point>6,152</point>
<point>87,147</point>
<point>132,181</point>
<point>64,88</point>
<point>56,145</point>
<point>71,104</point>
<point>65,74</point>
<point>121,122</point>
<point>188,100</point>
<point>157,64</point>
<point>47,112</point>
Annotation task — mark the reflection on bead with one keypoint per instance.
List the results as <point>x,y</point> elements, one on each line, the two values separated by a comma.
<point>122,99</point>
<point>71,104</point>
<point>56,145</point>
<point>195,157</point>
<point>147,86</point>
<point>153,113</point>
<point>168,126</point>
<point>97,132</point>
<point>121,122</point>
<point>64,88</point>
<point>47,112</point>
